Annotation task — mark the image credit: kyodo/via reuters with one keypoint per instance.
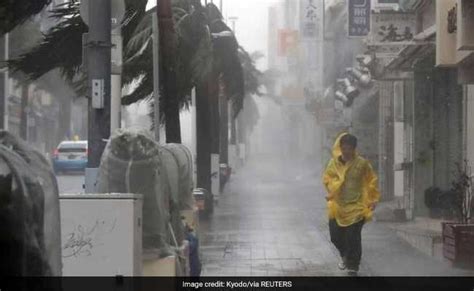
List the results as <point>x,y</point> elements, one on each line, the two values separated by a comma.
<point>239,284</point>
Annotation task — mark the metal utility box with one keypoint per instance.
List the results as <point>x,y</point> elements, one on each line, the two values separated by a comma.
<point>101,234</point>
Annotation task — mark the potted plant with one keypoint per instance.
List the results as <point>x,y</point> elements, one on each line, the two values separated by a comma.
<point>458,236</point>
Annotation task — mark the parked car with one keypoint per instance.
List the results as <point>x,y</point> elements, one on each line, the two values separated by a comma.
<point>70,156</point>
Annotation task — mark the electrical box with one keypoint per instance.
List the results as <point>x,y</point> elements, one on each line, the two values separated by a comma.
<point>101,234</point>
<point>98,92</point>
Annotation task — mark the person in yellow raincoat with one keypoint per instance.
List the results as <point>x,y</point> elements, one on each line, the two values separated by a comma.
<point>352,194</point>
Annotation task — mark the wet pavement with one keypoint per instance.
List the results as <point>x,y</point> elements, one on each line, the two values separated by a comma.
<point>264,225</point>
<point>70,183</point>
<point>271,221</point>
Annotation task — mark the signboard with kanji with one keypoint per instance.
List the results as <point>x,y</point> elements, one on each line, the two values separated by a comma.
<point>312,41</point>
<point>312,17</point>
<point>390,33</point>
<point>392,28</point>
<point>359,18</point>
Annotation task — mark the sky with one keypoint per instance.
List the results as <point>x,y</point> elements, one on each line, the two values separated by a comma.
<point>252,24</point>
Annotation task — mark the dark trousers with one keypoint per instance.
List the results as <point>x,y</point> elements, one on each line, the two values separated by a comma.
<point>348,242</point>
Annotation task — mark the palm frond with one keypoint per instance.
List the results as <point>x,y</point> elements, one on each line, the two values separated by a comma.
<point>135,67</point>
<point>61,48</point>
<point>142,92</point>
<point>141,36</point>
<point>14,13</point>
<point>253,76</point>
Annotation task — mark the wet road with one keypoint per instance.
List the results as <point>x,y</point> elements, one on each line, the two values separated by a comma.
<point>70,183</point>
<point>271,221</point>
<point>265,225</point>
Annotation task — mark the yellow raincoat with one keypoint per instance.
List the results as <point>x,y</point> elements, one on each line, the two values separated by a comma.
<point>352,188</point>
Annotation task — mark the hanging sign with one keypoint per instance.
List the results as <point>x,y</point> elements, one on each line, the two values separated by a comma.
<point>359,18</point>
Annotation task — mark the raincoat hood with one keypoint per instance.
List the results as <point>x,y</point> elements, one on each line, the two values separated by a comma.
<point>336,148</point>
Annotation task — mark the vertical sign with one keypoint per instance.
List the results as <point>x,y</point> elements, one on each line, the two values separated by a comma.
<point>312,39</point>
<point>359,18</point>
<point>311,19</point>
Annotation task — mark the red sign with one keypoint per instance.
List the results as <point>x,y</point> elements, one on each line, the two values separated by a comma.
<point>287,40</point>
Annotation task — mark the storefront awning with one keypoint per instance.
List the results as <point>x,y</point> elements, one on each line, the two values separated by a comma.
<point>423,46</point>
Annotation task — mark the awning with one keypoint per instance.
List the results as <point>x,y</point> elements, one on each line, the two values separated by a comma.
<point>423,46</point>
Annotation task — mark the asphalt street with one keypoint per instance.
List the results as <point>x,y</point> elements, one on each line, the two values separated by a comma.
<point>70,183</point>
<point>271,221</point>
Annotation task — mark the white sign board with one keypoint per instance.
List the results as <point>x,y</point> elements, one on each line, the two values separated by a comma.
<point>312,19</point>
<point>392,28</point>
<point>312,36</point>
<point>101,234</point>
<point>390,33</point>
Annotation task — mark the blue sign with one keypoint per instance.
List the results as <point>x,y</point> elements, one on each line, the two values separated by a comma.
<point>359,18</point>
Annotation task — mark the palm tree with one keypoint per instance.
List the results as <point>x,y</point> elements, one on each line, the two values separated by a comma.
<point>168,63</point>
<point>202,64</point>
<point>199,62</point>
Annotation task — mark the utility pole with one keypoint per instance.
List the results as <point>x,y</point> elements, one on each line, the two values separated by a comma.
<point>116,81</point>
<point>4,85</point>
<point>156,75</point>
<point>99,72</point>
<point>24,111</point>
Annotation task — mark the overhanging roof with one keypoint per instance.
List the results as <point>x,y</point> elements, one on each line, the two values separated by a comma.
<point>423,46</point>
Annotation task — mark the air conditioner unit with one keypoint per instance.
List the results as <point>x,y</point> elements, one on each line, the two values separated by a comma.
<point>384,5</point>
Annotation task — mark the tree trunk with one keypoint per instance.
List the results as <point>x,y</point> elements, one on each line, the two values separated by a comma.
<point>241,135</point>
<point>24,112</point>
<point>233,127</point>
<point>214,110</point>
<point>203,137</point>
<point>168,69</point>
<point>224,130</point>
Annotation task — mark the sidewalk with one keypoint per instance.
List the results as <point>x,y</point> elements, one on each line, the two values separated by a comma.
<point>271,221</point>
